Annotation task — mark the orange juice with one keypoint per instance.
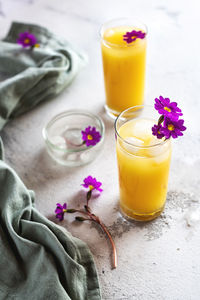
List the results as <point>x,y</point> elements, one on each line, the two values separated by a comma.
<point>143,163</point>
<point>124,69</point>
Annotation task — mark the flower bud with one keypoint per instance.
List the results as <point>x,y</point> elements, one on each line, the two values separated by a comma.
<point>80,219</point>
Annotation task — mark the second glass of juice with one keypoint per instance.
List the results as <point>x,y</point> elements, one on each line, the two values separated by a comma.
<point>123,65</point>
<point>143,164</point>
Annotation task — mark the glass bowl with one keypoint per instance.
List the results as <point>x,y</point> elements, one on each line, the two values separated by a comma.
<point>63,137</point>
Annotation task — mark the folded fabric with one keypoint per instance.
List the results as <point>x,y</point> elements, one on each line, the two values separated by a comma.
<point>28,77</point>
<point>39,259</point>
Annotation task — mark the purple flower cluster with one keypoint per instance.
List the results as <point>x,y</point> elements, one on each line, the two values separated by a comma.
<point>172,126</point>
<point>90,136</point>
<point>27,39</point>
<point>131,36</point>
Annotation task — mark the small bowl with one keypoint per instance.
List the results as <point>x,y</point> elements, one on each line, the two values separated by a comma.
<point>63,137</point>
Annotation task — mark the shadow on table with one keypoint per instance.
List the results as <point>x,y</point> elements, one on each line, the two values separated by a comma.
<point>43,169</point>
<point>151,229</point>
<point>108,121</point>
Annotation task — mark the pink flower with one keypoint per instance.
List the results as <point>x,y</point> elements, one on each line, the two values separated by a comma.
<point>60,211</point>
<point>172,128</point>
<point>167,108</point>
<point>92,184</point>
<point>90,136</point>
<point>131,36</point>
<point>156,130</point>
<point>27,39</point>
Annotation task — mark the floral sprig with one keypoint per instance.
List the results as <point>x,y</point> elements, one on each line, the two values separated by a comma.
<point>131,36</point>
<point>91,184</point>
<point>169,124</point>
<point>27,39</point>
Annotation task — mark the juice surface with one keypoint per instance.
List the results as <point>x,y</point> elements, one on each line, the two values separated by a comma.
<point>143,172</point>
<point>124,69</point>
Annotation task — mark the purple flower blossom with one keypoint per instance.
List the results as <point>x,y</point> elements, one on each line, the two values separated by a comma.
<point>91,136</point>
<point>131,36</point>
<point>92,184</point>
<point>167,108</point>
<point>156,130</point>
<point>27,39</point>
<point>60,211</point>
<point>172,128</point>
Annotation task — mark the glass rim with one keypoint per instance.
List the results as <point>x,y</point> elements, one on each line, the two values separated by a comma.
<point>101,31</point>
<point>69,113</point>
<point>161,143</point>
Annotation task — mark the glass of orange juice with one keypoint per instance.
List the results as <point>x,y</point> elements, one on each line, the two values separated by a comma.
<point>143,164</point>
<point>123,64</point>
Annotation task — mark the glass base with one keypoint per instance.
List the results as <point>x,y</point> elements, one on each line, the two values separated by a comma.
<point>111,113</point>
<point>130,215</point>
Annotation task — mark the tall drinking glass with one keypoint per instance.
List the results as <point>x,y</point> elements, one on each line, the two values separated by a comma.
<point>143,164</point>
<point>123,65</point>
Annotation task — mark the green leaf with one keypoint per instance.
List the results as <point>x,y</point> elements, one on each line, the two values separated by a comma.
<point>161,119</point>
<point>89,194</point>
<point>71,211</point>
<point>80,219</point>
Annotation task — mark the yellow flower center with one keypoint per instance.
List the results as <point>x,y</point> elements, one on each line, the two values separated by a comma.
<point>167,109</point>
<point>90,137</point>
<point>37,45</point>
<point>64,210</point>
<point>170,127</point>
<point>91,187</point>
<point>26,41</point>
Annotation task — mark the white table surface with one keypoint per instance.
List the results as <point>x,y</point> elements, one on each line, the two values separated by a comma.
<point>158,260</point>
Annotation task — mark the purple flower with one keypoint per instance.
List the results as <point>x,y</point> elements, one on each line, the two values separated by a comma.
<point>156,130</point>
<point>172,128</point>
<point>60,211</point>
<point>91,136</point>
<point>27,39</point>
<point>167,108</point>
<point>131,36</point>
<point>92,184</point>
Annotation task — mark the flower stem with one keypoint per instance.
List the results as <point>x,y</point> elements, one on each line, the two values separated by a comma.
<point>161,119</point>
<point>112,243</point>
<point>94,218</point>
<point>89,194</point>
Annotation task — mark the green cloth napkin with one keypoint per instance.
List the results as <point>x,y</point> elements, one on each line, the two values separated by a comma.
<point>28,77</point>
<point>39,259</point>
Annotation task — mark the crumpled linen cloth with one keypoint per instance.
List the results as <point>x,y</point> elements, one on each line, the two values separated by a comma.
<point>28,77</point>
<point>39,259</point>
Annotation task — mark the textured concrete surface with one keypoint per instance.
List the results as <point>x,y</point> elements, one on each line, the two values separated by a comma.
<point>157,260</point>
